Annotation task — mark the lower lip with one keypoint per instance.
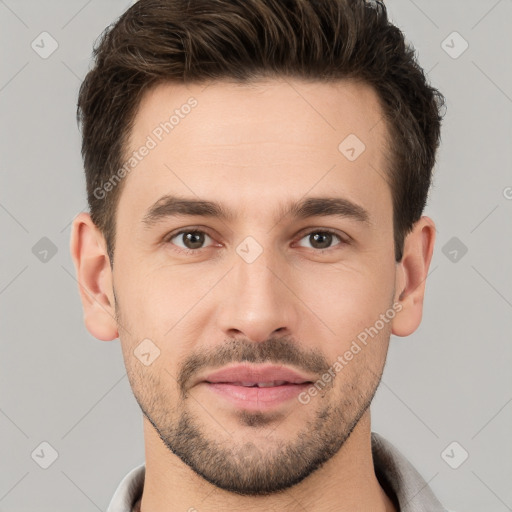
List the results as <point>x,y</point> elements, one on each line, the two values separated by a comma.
<point>255,398</point>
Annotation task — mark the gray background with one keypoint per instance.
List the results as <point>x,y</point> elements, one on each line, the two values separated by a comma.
<point>450,381</point>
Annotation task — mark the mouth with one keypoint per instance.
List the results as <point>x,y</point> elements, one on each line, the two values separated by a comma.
<point>270,384</point>
<point>256,388</point>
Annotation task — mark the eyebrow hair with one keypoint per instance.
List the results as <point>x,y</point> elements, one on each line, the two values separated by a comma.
<point>171,206</point>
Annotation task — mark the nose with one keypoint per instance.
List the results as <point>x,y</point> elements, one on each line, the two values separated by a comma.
<point>258,300</point>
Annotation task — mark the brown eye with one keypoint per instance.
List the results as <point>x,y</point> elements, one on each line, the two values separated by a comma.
<point>192,240</point>
<point>322,239</point>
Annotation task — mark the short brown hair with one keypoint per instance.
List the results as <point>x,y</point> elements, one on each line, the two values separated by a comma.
<point>199,41</point>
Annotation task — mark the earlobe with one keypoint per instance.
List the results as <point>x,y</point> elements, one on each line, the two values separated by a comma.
<point>411,276</point>
<point>94,276</point>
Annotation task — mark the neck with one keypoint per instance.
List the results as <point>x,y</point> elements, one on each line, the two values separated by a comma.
<point>345,483</point>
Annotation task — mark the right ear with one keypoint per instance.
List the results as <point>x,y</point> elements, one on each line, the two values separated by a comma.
<point>94,275</point>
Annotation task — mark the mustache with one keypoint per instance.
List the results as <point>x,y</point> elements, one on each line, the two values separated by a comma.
<point>280,350</point>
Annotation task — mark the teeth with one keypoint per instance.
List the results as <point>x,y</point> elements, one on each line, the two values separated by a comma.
<point>267,384</point>
<point>261,384</point>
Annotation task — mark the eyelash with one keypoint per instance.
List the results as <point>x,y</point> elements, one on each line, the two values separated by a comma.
<point>181,250</point>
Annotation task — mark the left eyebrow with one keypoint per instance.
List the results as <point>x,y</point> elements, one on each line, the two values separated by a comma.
<point>171,206</point>
<point>329,206</point>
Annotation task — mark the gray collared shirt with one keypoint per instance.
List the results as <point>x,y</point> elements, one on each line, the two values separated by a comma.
<point>404,485</point>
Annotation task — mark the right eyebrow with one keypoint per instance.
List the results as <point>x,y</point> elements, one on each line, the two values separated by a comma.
<point>171,206</point>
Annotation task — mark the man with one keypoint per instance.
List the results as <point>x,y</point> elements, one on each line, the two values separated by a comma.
<point>256,174</point>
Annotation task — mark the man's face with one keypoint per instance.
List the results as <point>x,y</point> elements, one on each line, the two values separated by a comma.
<point>262,287</point>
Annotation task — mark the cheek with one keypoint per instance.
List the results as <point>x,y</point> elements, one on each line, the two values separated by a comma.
<point>165,307</point>
<point>350,303</point>
<point>345,297</point>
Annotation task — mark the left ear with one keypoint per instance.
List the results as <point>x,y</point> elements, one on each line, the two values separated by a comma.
<point>411,275</point>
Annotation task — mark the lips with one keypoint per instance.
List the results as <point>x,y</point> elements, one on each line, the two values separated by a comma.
<point>270,384</point>
<point>262,376</point>
<point>255,388</point>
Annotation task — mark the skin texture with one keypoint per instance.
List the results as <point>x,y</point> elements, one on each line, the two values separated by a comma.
<point>254,149</point>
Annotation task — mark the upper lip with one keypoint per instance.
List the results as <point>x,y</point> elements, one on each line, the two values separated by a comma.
<point>256,374</point>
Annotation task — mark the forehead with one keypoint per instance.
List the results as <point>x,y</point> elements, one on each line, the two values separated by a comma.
<point>246,145</point>
<point>295,111</point>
